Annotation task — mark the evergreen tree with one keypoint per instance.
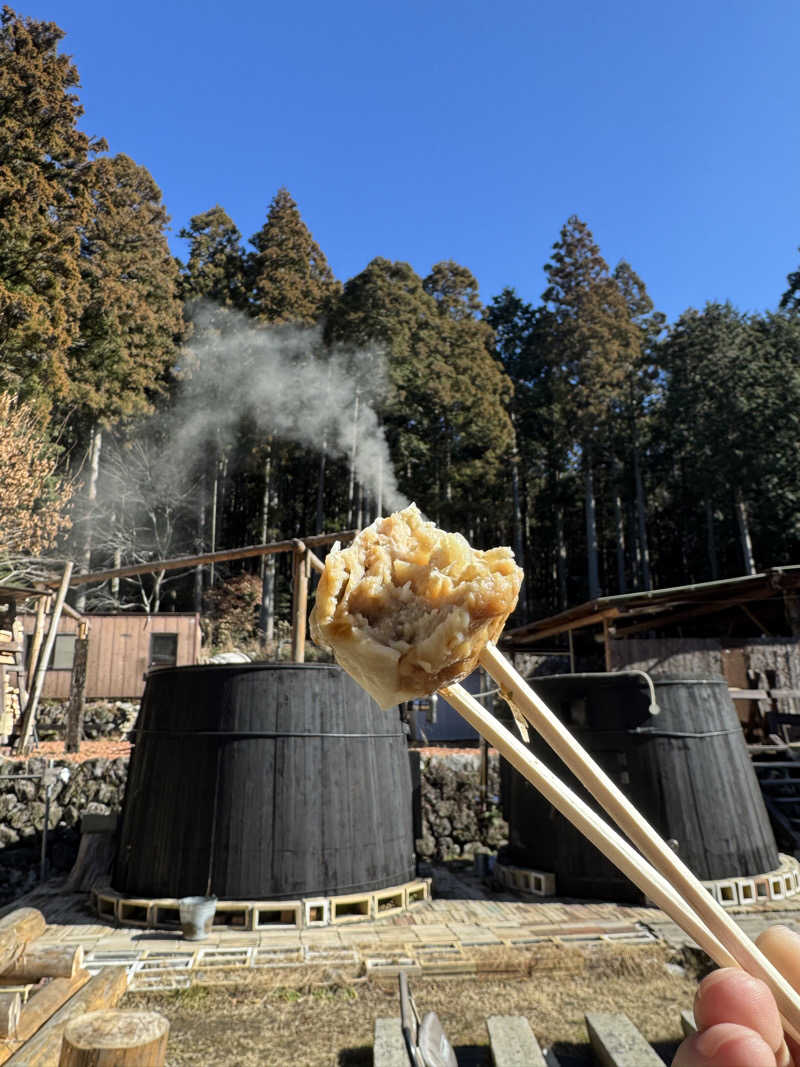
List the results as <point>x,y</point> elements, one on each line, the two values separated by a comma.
<point>43,205</point>
<point>34,495</point>
<point>445,416</point>
<point>289,278</point>
<point>216,267</point>
<point>594,342</point>
<point>131,323</point>
<point>728,434</point>
<point>132,319</point>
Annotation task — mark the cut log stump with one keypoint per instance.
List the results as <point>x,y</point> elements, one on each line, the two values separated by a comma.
<point>115,1039</point>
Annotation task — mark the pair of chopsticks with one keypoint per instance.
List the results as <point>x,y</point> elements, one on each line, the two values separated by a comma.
<point>665,879</point>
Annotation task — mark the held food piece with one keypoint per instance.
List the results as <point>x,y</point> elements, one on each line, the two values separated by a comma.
<point>406,608</point>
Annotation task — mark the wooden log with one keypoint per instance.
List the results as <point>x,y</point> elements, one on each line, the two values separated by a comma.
<point>103,991</point>
<point>77,691</point>
<point>115,1039</point>
<point>44,1003</point>
<point>10,1007</point>
<point>29,716</point>
<point>16,930</point>
<point>42,607</point>
<point>43,961</point>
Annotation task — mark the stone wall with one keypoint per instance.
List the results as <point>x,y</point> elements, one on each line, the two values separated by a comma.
<point>449,821</point>
<point>97,785</point>
<point>111,719</point>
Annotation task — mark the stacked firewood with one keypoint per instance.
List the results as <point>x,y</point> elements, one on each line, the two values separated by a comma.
<point>67,1017</point>
<point>11,647</point>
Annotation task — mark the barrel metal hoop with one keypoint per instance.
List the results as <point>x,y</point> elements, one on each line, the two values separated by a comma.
<point>252,733</point>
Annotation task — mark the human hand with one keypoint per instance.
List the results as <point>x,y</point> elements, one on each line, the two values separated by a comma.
<point>737,1017</point>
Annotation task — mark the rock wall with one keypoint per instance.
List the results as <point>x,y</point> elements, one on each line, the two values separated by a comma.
<point>112,719</point>
<point>449,820</point>
<point>97,785</point>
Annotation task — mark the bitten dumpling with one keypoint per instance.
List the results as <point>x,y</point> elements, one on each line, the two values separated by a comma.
<point>407,608</point>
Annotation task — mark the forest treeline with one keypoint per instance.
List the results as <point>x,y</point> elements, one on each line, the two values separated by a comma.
<point>154,408</point>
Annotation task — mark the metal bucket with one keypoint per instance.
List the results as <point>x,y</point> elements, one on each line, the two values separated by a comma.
<point>197,916</point>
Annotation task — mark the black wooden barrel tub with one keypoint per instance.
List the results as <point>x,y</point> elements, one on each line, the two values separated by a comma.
<point>686,768</point>
<point>262,781</point>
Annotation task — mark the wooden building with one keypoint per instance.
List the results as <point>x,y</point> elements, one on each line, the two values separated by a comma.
<point>122,647</point>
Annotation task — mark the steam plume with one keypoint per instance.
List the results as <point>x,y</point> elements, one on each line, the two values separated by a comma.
<point>286,381</point>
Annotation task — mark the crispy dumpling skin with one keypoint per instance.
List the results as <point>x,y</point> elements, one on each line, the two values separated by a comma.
<point>407,608</point>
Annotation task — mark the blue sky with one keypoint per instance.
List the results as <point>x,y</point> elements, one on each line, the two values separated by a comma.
<point>468,130</point>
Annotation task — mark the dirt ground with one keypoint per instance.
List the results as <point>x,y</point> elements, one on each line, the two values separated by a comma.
<point>313,1019</point>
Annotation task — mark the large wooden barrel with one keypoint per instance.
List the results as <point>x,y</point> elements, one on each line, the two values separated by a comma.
<point>686,768</point>
<point>264,781</point>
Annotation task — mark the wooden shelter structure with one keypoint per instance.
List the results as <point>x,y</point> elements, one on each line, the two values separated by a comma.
<point>769,601</point>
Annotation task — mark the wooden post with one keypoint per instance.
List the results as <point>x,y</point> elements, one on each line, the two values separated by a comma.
<point>77,690</point>
<point>300,603</point>
<point>115,1039</point>
<point>607,644</point>
<point>103,991</point>
<point>42,607</point>
<point>24,741</point>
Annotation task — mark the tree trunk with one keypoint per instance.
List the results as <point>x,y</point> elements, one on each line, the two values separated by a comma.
<point>323,455</point>
<point>592,568</point>
<point>641,519</point>
<point>200,543</point>
<point>744,533</point>
<point>95,448</point>
<point>710,540</point>
<point>619,523</point>
<point>77,693</point>
<point>561,558</point>
<point>351,495</point>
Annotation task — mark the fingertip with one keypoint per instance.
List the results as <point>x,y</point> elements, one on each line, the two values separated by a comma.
<point>725,1045</point>
<point>730,995</point>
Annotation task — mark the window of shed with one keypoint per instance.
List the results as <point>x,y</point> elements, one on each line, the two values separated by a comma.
<point>63,653</point>
<point>163,650</point>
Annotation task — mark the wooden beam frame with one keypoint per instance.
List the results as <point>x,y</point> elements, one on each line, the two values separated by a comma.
<point>188,562</point>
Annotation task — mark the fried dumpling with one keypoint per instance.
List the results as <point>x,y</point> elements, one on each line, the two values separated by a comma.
<point>407,608</point>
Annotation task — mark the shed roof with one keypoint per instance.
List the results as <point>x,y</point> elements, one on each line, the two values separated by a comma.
<point>19,593</point>
<point>631,613</point>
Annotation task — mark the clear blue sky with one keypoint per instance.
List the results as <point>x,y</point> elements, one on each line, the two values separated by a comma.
<point>468,130</point>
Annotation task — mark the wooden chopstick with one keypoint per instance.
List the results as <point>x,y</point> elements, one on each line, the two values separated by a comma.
<point>671,869</point>
<point>572,807</point>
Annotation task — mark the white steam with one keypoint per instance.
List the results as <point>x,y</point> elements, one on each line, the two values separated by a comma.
<point>287,383</point>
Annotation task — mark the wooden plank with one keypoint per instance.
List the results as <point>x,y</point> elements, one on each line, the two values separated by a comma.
<point>389,1046</point>
<point>617,1043</point>
<point>512,1042</point>
<point>103,991</point>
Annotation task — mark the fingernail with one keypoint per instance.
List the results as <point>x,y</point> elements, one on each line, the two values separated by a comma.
<point>709,1042</point>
